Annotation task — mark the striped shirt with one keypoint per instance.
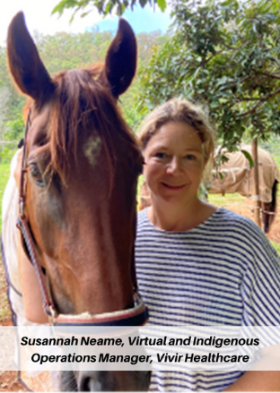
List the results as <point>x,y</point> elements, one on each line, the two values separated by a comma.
<point>223,272</point>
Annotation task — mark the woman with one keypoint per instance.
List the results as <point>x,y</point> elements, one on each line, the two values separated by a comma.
<point>196,264</point>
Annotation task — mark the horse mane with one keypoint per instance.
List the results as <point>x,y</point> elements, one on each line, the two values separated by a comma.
<point>83,103</point>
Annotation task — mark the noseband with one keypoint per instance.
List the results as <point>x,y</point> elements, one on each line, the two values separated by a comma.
<point>136,316</point>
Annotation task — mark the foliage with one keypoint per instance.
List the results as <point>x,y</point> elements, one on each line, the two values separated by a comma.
<point>225,56</point>
<point>4,99</point>
<point>14,129</point>
<point>146,43</point>
<point>15,101</point>
<point>65,51</point>
<point>104,7</point>
<point>7,154</point>
<point>130,112</point>
<point>276,246</point>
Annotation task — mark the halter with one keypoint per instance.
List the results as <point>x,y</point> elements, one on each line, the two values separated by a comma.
<point>136,316</point>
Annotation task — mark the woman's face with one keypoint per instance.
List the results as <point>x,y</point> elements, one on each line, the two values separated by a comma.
<point>174,163</point>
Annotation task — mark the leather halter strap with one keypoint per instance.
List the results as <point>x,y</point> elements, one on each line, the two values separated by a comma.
<point>23,226</point>
<point>136,316</point>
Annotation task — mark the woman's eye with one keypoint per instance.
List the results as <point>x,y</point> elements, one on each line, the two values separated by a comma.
<point>161,155</point>
<point>190,157</point>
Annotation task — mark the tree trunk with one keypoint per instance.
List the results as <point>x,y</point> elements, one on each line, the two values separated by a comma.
<point>256,193</point>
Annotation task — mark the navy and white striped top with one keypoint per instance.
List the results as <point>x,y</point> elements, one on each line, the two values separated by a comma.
<point>223,272</point>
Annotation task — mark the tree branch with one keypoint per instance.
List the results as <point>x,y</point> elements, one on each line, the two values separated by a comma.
<point>235,83</point>
<point>273,76</point>
<point>226,45</point>
<point>205,61</point>
<point>241,99</point>
<point>253,110</point>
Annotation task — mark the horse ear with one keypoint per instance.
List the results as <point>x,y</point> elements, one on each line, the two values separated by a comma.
<point>25,64</point>
<point>120,63</point>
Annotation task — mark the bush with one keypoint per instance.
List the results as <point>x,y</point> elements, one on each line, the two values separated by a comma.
<point>7,154</point>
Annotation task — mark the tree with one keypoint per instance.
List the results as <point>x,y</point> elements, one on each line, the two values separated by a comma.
<point>4,98</point>
<point>226,56</point>
<point>64,51</point>
<point>105,7</point>
<point>15,101</point>
<point>146,43</point>
<point>15,129</point>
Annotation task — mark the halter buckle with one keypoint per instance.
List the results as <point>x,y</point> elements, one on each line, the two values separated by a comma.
<point>21,207</point>
<point>50,311</point>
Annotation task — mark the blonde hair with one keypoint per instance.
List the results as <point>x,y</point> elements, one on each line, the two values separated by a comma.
<point>179,110</point>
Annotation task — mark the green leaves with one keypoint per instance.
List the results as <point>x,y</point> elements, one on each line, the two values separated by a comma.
<point>104,7</point>
<point>15,129</point>
<point>249,158</point>
<point>224,55</point>
<point>161,4</point>
<point>66,4</point>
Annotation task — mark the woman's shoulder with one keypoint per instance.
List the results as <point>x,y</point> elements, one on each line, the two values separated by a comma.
<point>220,219</point>
<point>222,225</point>
<point>241,227</point>
<point>233,221</point>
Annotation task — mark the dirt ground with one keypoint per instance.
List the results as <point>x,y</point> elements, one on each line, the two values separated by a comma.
<point>8,379</point>
<point>10,383</point>
<point>247,209</point>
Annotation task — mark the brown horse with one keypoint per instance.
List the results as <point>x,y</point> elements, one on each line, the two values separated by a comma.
<point>238,177</point>
<point>80,171</point>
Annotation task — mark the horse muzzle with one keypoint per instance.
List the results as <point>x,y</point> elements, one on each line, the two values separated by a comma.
<point>104,381</point>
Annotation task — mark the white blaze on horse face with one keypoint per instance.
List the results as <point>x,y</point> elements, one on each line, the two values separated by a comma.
<point>92,148</point>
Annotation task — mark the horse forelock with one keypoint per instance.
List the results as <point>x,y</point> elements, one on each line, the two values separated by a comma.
<point>83,104</point>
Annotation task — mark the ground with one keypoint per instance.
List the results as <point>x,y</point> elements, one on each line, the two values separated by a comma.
<point>245,207</point>
<point>9,382</point>
<point>8,379</point>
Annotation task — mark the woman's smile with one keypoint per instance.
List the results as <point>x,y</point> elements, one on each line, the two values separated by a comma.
<point>173,187</point>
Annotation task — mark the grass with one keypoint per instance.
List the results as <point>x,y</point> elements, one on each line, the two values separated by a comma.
<point>219,200</point>
<point>230,199</point>
<point>276,246</point>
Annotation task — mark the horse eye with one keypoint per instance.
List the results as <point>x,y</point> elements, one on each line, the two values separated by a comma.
<point>36,175</point>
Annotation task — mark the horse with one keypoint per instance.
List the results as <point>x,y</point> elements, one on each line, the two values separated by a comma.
<point>77,193</point>
<point>237,176</point>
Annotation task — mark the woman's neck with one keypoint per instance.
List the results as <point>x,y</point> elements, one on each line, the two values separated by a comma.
<point>175,218</point>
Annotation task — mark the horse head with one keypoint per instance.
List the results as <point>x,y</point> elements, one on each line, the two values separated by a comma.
<point>80,170</point>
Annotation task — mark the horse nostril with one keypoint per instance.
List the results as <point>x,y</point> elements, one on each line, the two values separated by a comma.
<point>88,384</point>
<point>84,385</point>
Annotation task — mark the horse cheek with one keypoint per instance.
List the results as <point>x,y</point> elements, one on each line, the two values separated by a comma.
<point>44,218</point>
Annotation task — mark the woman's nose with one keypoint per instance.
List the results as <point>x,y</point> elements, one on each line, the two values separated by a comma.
<point>174,166</point>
